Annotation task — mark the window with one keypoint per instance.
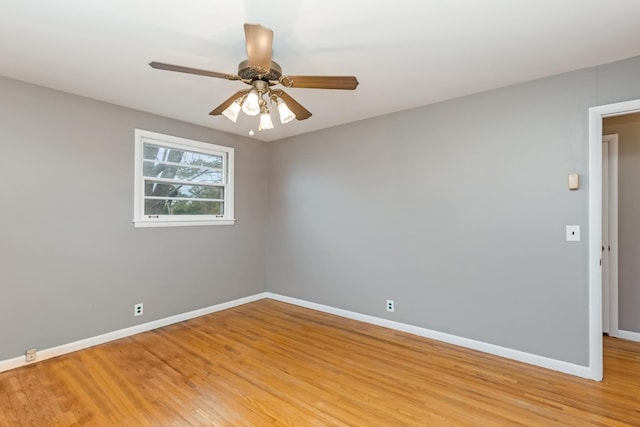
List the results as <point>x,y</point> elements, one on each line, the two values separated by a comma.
<point>181,182</point>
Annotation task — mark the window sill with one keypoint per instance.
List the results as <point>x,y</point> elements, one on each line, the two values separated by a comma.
<point>160,223</point>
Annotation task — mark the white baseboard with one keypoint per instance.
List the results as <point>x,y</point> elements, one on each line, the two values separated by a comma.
<point>544,362</point>
<point>628,335</point>
<point>532,359</point>
<point>17,362</point>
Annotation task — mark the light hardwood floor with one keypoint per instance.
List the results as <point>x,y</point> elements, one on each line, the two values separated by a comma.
<point>268,363</point>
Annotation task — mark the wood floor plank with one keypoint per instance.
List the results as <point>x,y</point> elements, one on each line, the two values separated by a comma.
<point>271,363</point>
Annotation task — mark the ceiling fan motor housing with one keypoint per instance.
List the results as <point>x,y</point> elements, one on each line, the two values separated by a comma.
<point>246,72</point>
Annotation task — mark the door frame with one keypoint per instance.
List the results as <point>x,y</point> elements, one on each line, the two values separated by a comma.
<point>595,227</point>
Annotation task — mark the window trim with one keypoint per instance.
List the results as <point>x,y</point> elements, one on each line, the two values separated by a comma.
<point>140,220</point>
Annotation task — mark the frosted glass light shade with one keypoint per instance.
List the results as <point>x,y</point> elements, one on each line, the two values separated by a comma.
<point>251,106</point>
<point>286,115</point>
<point>265,122</point>
<point>232,111</point>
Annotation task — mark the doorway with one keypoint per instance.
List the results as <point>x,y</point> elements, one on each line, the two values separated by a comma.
<point>626,322</point>
<point>596,115</point>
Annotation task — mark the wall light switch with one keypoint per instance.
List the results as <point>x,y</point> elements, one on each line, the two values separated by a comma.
<point>573,233</point>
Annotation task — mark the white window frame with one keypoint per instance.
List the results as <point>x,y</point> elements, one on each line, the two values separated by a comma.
<point>142,220</point>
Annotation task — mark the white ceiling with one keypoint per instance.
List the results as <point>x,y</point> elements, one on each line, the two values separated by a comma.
<point>405,53</point>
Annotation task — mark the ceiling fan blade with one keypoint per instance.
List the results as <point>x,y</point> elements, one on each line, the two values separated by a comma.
<point>259,42</point>
<point>297,109</point>
<point>188,70</point>
<point>220,108</point>
<point>320,82</point>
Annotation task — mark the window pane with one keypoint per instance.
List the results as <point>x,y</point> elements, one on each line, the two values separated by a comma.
<point>182,207</point>
<point>183,173</point>
<point>173,155</point>
<point>161,189</point>
<point>185,179</point>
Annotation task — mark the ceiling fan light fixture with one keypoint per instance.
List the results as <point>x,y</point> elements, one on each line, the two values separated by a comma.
<point>232,111</point>
<point>251,105</point>
<point>265,121</point>
<point>286,115</point>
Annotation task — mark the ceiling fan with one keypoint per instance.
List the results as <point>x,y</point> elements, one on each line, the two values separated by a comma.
<point>261,73</point>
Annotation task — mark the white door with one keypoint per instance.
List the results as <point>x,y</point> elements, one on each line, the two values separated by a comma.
<point>606,288</point>
<point>610,234</point>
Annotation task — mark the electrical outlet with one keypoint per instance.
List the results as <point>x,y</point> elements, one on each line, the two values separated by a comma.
<point>390,305</point>
<point>30,355</point>
<point>138,309</point>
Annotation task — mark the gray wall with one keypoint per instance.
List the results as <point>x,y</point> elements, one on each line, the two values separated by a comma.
<point>456,211</point>
<point>72,263</point>
<point>628,130</point>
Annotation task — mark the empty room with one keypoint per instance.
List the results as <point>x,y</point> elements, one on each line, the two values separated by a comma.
<point>249,213</point>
